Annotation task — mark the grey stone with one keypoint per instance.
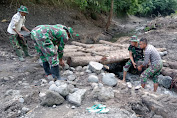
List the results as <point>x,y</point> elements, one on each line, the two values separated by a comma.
<point>79,68</point>
<point>157,116</point>
<point>71,88</point>
<point>62,90</point>
<point>71,77</point>
<point>88,71</point>
<point>82,73</point>
<point>52,98</point>
<point>95,67</point>
<point>21,100</point>
<point>72,69</point>
<point>68,72</point>
<point>43,81</point>
<point>6,78</point>
<point>164,81</point>
<point>163,53</point>
<point>109,79</point>
<point>66,67</point>
<point>53,87</point>
<point>54,106</point>
<point>93,78</point>
<point>25,109</point>
<point>85,68</point>
<point>94,85</point>
<point>73,107</point>
<point>59,82</point>
<point>103,93</point>
<point>77,97</point>
<point>51,82</point>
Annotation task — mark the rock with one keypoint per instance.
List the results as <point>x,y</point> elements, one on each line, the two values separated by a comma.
<point>53,87</point>
<point>109,79</point>
<point>42,94</point>
<point>129,85</point>
<point>138,87</point>
<point>43,81</point>
<point>157,116</point>
<point>165,81</point>
<point>93,78</point>
<point>59,82</point>
<point>71,77</point>
<point>66,67</point>
<point>88,71</point>
<point>68,72</point>
<point>52,98</point>
<point>6,79</point>
<point>82,73</point>
<point>54,106</point>
<point>25,110</point>
<point>129,77</point>
<point>163,53</point>
<point>50,77</point>
<point>79,68</point>
<point>51,82</point>
<point>85,68</point>
<point>95,67</point>
<point>71,88</point>
<point>103,93</point>
<point>94,85</point>
<point>73,107</point>
<point>21,100</point>
<point>72,69</point>
<point>77,97</point>
<point>100,85</point>
<point>62,90</point>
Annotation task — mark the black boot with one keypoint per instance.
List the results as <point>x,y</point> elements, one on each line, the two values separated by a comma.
<point>55,72</point>
<point>46,67</point>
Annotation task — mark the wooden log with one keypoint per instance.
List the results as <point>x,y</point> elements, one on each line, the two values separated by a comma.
<point>81,44</point>
<point>75,54</point>
<point>114,44</point>
<point>169,72</point>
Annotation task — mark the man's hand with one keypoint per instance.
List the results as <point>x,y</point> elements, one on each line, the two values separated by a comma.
<point>61,63</point>
<point>139,68</point>
<point>134,65</point>
<point>21,36</point>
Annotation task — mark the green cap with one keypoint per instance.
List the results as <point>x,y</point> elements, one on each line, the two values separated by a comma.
<point>134,39</point>
<point>23,9</point>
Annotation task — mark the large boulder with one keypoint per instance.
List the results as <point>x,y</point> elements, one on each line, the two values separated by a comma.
<point>52,98</point>
<point>77,97</point>
<point>109,79</point>
<point>103,93</point>
<point>95,67</point>
<point>164,81</point>
<point>63,90</point>
<point>93,78</point>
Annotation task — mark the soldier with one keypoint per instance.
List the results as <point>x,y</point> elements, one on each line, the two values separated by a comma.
<point>46,37</point>
<point>16,38</point>
<point>135,54</point>
<point>150,55</point>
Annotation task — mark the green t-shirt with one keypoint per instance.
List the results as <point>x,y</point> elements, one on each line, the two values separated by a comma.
<point>137,52</point>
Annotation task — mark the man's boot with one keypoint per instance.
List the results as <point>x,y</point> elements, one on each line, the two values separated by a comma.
<point>55,72</point>
<point>19,54</point>
<point>46,67</point>
<point>25,49</point>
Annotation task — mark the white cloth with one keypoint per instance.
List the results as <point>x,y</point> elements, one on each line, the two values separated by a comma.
<point>17,23</point>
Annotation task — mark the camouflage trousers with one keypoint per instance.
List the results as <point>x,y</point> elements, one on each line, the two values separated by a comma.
<point>129,64</point>
<point>46,50</point>
<point>18,43</point>
<point>152,71</point>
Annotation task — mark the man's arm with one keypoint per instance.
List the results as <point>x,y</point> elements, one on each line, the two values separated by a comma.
<point>132,60</point>
<point>146,60</point>
<point>60,52</point>
<point>24,28</point>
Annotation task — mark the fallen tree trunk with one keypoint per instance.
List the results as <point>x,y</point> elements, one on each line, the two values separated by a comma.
<point>81,44</point>
<point>114,44</point>
<point>169,72</point>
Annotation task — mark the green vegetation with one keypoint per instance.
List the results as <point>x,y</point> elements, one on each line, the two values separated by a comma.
<point>121,7</point>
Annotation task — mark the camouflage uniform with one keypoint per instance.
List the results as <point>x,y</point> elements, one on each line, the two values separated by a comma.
<point>152,71</point>
<point>137,54</point>
<point>46,37</point>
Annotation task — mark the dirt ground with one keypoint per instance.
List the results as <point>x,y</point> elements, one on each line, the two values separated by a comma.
<point>25,79</point>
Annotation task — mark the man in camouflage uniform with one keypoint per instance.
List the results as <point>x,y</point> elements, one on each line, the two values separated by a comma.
<point>135,54</point>
<point>152,56</point>
<point>46,37</point>
<point>14,28</point>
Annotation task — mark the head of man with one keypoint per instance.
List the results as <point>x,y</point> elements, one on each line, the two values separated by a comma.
<point>143,43</point>
<point>134,41</point>
<point>23,10</point>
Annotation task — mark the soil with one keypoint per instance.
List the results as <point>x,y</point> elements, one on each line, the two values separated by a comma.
<point>24,79</point>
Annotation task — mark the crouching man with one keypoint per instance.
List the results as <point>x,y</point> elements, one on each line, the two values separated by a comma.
<point>150,55</point>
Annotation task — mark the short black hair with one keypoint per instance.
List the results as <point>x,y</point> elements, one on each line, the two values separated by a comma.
<point>144,40</point>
